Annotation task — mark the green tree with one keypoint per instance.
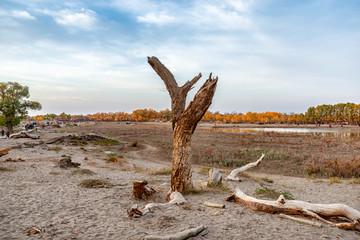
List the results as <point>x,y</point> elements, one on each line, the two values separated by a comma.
<point>14,105</point>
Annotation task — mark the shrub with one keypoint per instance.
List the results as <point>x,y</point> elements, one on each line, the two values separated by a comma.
<point>95,183</point>
<point>82,171</point>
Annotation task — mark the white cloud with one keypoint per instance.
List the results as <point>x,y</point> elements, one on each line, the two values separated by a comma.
<point>22,14</point>
<point>85,19</point>
<point>156,18</point>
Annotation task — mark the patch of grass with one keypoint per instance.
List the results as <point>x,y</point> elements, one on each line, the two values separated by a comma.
<point>334,180</point>
<point>112,155</point>
<point>107,142</point>
<point>56,149</point>
<point>128,155</point>
<point>95,183</point>
<point>273,193</point>
<point>116,159</point>
<point>76,142</point>
<point>162,171</point>
<point>354,181</point>
<point>208,189</point>
<point>205,170</point>
<point>54,173</point>
<point>82,171</point>
<point>268,180</point>
<point>220,188</point>
<point>6,169</point>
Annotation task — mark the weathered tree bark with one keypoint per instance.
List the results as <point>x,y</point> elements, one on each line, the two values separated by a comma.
<point>295,207</point>
<point>184,121</point>
<point>232,175</point>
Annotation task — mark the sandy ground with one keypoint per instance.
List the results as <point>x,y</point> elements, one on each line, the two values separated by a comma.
<point>39,194</point>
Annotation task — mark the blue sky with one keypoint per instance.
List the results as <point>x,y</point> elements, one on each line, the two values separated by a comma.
<point>83,56</point>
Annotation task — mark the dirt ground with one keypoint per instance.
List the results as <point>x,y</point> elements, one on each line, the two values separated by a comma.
<point>35,193</point>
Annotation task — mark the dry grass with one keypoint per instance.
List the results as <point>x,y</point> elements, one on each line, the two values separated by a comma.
<point>205,170</point>
<point>56,149</point>
<point>6,169</point>
<point>82,171</point>
<point>334,167</point>
<point>334,180</point>
<point>221,188</point>
<point>116,159</point>
<point>54,173</point>
<point>107,142</point>
<point>354,181</point>
<point>162,171</point>
<point>95,183</point>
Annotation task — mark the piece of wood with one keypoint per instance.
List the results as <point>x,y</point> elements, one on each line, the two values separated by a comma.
<point>295,207</point>
<point>24,135</point>
<point>4,151</point>
<point>141,191</point>
<point>232,175</point>
<point>184,121</point>
<point>214,205</point>
<point>175,198</point>
<point>214,178</point>
<point>192,232</point>
<point>300,220</point>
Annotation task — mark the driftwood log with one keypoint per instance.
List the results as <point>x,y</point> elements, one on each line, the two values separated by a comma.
<point>141,191</point>
<point>176,198</point>
<point>321,212</point>
<point>184,121</point>
<point>192,232</point>
<point>4,151</point>
<point>232,175</point>
<point>24,135</point>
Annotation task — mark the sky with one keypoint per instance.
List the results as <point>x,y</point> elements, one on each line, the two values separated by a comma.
<point>83,56</point>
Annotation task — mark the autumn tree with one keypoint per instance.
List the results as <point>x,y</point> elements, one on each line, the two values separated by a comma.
<point>14,105</point>
<point>184,121</point>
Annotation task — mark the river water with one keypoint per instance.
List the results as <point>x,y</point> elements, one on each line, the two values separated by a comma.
<point>313,131</point>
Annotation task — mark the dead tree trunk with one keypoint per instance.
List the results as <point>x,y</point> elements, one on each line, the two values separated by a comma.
<point>184,121</point>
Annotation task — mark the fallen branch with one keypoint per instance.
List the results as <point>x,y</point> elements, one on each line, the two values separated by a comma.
<point>300,220</point>
<point>192,232</point>
<point>176,198</point>
<point>24,135</point>
<point>4,151</point>
<point>295,207</point>
<point>214,205</point>
<point>232,175</point>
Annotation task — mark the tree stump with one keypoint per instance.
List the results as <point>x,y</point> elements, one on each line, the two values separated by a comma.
<point>214,178</point>
<point>141,191</point>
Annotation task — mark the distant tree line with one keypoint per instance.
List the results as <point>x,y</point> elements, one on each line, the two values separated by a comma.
<point>342,113</point>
